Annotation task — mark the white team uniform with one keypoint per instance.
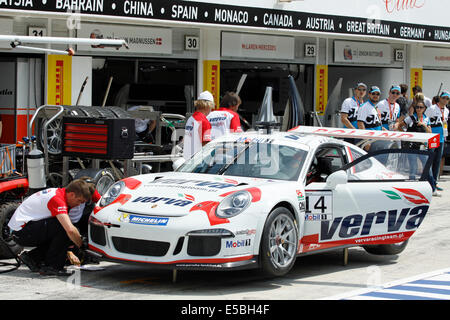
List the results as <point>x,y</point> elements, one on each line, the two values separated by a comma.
<point>40,205</point>
<point>389,113</point>
<point>350,106</point>
<point>197,131</point>
<point>368,114</point>
<point>223,121</point>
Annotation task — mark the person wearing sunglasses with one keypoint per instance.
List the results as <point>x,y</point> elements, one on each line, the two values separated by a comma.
<point>417,122</point>
<point>350,107</point>
<point>369,117</point>
<point>438,114</point>
<point>390,109</point>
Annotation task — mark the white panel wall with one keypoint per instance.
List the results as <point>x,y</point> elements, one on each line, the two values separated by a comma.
<point>432,80</point>
<point>82,68</point>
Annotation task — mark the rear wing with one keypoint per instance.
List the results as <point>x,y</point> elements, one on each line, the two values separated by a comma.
<point>432,139</point>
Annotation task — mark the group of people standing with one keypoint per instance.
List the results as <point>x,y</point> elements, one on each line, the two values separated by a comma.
<point>206,125</point>
<point>397,113</point>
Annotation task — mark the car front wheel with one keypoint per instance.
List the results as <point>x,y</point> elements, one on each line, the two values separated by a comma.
<point>279,243</point>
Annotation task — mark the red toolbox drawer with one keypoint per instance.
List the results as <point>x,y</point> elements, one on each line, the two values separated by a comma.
<point>98,138</point>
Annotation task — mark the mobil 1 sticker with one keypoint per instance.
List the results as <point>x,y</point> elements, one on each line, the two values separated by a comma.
<point>318,205</point>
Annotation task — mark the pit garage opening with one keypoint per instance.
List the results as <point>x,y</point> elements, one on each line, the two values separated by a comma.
<point>166,85</point>
<point>260,75</point>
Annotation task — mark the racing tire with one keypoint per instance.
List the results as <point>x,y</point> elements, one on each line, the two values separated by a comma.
<point>279,243</point>
<point>387,249</point>
<point>90,112</point>
<point>120,113</point>
<point>6,212</point>
<point>105,112</point>
<point>102,178</point>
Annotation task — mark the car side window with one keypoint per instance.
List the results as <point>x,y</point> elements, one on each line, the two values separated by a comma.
<point>362,166</point>
<point>327,160</point>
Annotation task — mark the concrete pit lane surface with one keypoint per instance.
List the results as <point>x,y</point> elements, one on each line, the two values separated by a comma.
<point>320,276</point>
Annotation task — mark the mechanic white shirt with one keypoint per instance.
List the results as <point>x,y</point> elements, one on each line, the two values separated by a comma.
<point>46,204</point>
<point>40,205</point>
<point>224,121</point>
<point>389,113</point>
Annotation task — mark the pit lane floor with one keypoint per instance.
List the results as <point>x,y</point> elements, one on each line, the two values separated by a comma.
<point>313,277</point>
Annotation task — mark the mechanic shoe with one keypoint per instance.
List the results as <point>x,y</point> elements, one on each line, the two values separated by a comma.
<point>50,271</point>
<point>436,194</point>
<point>29,262</point>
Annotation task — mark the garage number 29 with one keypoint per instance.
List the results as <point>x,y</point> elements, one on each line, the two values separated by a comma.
<point>319,202</point>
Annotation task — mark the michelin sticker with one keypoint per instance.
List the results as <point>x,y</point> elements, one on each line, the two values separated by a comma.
<point>149,221</point>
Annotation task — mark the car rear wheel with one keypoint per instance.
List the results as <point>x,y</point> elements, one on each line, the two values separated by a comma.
<point>387,249</point>
<point>279,243</point>
<point>6,212</point>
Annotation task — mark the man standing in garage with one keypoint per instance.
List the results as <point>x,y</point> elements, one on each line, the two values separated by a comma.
<point>197,132</point>
<point>42,221</point>
<point>390,109</point>
<point>226,120</point>
<point>350,107</point>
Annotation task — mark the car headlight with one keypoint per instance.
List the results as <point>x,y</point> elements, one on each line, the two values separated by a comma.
<point>234,204</point>
<point>113,192</point>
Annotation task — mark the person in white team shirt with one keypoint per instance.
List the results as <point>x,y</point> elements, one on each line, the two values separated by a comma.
<point>197,132</point>
<point>226,120</point>
<point>438,115</point>
<point>369,117</point>
<point>42,221</point>
<point>390,109</point>
<point>350,107</point>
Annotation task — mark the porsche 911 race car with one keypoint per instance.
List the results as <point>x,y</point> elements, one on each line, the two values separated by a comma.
<point>253,200</point>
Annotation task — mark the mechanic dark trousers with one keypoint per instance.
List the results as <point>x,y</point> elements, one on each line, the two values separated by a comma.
<point>49,238</point>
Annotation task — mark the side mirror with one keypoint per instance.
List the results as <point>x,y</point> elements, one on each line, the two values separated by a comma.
<point>336,178</point>
<point>178,163</point>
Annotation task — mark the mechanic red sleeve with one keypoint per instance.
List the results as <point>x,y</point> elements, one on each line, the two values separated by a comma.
<point>57,204</point>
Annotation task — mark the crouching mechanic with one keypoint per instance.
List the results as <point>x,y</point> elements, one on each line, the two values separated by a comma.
<point>42,221</point>
<point>80,218</point>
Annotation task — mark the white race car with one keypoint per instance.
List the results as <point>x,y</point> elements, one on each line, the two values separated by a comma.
<point>254,200</point>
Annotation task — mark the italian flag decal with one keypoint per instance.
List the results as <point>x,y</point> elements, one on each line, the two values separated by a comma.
<point>410,195</point>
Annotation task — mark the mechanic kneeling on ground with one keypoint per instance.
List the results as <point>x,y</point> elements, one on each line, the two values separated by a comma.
<point>43,221</point>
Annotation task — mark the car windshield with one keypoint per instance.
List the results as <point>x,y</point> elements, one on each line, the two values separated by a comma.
<point>255,160</point>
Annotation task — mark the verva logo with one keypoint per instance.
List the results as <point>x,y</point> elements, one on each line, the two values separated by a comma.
<point>402,5</point>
